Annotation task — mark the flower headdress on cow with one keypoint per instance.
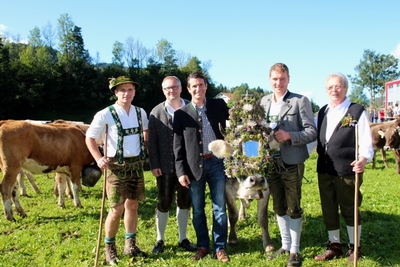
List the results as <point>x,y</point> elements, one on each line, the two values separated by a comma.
<point>247,124</point>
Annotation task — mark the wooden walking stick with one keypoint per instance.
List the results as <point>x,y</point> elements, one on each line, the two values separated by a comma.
<point>102,202</point>
<point>356,205</point>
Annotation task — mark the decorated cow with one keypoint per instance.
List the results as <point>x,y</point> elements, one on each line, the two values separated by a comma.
<point>247,151</point>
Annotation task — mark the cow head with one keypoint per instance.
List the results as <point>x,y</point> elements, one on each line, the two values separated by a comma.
<point>252,186</point>
<point>392,136</point>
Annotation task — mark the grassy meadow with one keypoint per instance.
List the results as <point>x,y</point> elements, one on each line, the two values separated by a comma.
<point>51,236</point>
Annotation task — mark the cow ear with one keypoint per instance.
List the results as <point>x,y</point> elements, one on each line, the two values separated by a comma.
<point>381,133</point>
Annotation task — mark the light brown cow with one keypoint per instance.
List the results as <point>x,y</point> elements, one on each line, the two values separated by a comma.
<point>40,149</point>
<point>381,138</point>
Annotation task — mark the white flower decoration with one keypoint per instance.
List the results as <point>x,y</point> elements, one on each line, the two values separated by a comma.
<point>248,107</point>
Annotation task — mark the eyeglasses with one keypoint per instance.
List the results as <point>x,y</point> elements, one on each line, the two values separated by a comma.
<point>336,87</point>
<point>172,88</point>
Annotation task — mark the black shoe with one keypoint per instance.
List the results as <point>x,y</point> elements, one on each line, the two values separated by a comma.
<point>294,260</point>
<point>159,247</point>
<point>278,253</point>
<point>185,244</point>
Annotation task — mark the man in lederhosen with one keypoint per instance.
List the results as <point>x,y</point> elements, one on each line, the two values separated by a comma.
<point>126,147</point>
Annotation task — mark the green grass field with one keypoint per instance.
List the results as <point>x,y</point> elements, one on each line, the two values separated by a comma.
<point>51,236</point>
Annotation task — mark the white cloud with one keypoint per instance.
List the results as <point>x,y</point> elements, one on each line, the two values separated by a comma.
<point>2,28</point>
<point>396,51</point>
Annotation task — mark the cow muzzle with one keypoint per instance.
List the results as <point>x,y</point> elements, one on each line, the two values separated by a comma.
<point>252,187</point>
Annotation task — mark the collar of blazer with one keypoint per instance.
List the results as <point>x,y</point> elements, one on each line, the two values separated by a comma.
<point>286,106</point>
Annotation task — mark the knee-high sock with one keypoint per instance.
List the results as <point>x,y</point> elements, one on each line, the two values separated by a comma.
<point>334,236</point>
<point>295,233</point>
<point>182,215</point>
<point>161,222</point>
<point>350,232</point>
<point>283,222</point>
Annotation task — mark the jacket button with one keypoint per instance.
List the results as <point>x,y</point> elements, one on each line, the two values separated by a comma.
<point>200,166</point>
<point>201,142</point>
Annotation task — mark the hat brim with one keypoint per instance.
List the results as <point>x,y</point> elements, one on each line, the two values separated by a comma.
<point>137,85</point>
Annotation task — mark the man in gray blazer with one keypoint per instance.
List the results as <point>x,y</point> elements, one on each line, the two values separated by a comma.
<point>291,117</point>
<point>162,164</point>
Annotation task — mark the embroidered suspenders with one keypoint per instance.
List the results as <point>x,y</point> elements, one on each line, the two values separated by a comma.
<point>125,132</point>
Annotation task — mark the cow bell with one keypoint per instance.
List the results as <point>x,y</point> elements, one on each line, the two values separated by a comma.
<point>90,175</point>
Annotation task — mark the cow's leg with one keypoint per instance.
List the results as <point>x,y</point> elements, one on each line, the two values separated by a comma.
<point>76,181</point>
<point>17,204</point>
<point>32,182</point>
<point>262,212</point>
<point>244,204</point>
<point>56,185</point>
<point>6,188</point>
<point>383,152</point>
<point>69,187</point>
<point>233,214</point>
<point>60,184</point>
<point>374,160</point>
<point>242,210</point>
<point>20,181</point>
<point>397,158</point>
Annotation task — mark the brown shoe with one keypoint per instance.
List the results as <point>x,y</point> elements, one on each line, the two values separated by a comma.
<point>111,254</point>
<point>131,249</point>
<point>351,255</point>
<point>201,253</point>
<point>222,256</point>
<point>333,250</point>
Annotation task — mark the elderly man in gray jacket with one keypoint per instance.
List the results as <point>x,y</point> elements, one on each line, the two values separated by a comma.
<point>162,164</point>
<point>291,117</point>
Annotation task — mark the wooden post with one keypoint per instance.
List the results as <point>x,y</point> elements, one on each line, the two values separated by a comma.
<point>356,182</point>
<point>102,202</point>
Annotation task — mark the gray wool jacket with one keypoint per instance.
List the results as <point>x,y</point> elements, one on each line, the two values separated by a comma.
<point>161,137</point>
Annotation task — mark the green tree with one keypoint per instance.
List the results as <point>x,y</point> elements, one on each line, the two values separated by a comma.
<point>8,87</point>
<point>194,65</point>
<point>357,95</point>
<point>314,106</point>
<point>373,71</point>
<point>118,53</point>
<point>166,55</point>
<point>35,38</point>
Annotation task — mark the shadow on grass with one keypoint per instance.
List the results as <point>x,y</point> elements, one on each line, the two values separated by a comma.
<point>380,238</point>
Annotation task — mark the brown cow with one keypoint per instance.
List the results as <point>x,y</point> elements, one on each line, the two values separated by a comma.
<point>40,149</point>
<point>384,136</point>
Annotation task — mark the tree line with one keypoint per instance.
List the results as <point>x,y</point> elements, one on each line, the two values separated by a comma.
<point>53,76</point>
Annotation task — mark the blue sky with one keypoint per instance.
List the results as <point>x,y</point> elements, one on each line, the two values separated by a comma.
<point>242,39</point>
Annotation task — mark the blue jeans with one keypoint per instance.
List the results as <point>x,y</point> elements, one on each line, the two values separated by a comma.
<point>214,175</point>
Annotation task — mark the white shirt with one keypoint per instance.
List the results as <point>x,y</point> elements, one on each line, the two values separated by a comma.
<point>131,142</point>
<point>171,110</point>
<point>274,110</point>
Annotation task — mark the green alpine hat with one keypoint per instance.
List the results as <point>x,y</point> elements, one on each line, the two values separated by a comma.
<point>114,82</point>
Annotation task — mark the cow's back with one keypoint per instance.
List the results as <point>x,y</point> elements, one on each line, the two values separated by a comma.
<point>52,145</point>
